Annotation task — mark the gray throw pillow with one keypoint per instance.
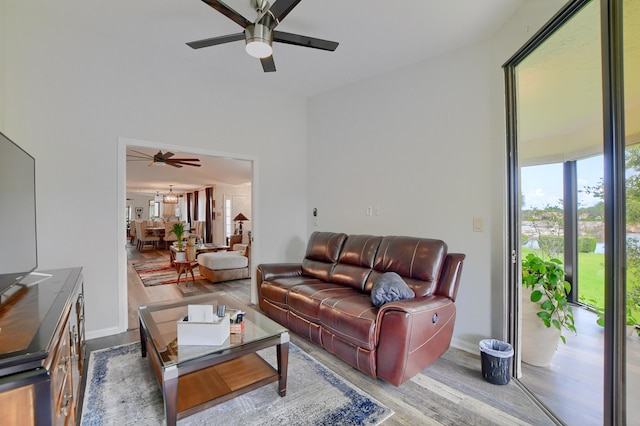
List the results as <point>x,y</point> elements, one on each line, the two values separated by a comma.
<point>390,287</point>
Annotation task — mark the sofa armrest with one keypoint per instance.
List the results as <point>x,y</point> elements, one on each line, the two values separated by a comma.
<point>414,306</point>
<point>450,277</point>
<point>271,271</point>
<point>412,334</point>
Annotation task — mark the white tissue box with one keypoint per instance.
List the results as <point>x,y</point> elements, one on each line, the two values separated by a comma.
<point>207,333</point>
<point>204,333</point>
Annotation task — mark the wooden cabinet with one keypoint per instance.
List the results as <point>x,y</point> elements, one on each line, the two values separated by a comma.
<point>42,349</point>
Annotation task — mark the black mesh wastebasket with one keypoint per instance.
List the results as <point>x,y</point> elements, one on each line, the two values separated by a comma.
<point>496,361</point>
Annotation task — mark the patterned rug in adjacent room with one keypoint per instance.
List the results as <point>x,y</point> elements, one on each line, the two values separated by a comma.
<point>122,390</point>
<point>156,273</point>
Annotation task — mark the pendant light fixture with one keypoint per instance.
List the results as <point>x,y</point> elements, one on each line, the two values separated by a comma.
<point>170,198</point>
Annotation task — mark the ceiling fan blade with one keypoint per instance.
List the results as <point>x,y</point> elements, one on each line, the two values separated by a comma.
<point>131,158</point>
<point>300,40</point>
<point>161,158</point>
<point>267,64</point>
<point>141,153</point>
<point>280,9</point>
<point>228,12</point>
<point>184,159</point>
<point>173,163</point>
<point>198,44</point>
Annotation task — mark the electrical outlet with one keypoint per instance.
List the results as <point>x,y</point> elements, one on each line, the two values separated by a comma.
<point>369,210</point>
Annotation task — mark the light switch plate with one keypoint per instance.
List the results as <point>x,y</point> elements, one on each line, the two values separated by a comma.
<point>477,224</point>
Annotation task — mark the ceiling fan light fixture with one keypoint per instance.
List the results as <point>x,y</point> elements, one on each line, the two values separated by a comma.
<point>259,38</point>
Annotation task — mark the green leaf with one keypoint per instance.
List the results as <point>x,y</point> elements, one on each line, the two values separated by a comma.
<point>547,305</point>
<point>536,296</point>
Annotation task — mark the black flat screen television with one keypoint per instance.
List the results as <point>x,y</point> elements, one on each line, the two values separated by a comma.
<point>18,248</point>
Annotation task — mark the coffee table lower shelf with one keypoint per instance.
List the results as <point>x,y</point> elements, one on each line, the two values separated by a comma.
<point>205,388</point>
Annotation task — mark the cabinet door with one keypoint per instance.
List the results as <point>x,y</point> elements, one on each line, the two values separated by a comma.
<point>18,406</point>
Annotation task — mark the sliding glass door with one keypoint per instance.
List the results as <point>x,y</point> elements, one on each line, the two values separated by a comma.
<point>631,311</point>
<point>572,170</point>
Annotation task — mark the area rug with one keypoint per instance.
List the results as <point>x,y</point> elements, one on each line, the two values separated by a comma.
<point>122,390</point>
<point>157,273</point>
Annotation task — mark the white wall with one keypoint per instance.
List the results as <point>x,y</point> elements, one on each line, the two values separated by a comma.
<point>67,101</point>
<point>426,146</point>
<point>137,200</point>
<point>222,191</point>
<point>3,41</point>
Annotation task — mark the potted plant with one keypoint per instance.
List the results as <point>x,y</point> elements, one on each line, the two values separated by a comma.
<point>178,230</point>
<point>545,309</point>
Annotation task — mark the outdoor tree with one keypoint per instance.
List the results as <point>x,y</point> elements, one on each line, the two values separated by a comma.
<point>548,226</point>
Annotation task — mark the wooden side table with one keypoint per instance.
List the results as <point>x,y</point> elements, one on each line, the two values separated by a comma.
<point>186,266</point>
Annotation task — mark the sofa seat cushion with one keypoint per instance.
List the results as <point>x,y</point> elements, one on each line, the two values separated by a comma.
<point>305,300</point>
<point>352,318</point>
<point>277,291</point>
<point>221,260</point>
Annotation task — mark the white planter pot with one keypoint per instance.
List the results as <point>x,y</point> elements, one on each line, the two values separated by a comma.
<point>181,256</point>
<point>539,343</point>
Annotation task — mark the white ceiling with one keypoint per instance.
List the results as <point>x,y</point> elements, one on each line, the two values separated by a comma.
<point>375,37</point>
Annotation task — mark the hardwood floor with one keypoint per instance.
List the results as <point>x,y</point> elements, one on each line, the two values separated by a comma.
<point>141,295</point>
<point>572,386</point>
<point>449,392</point>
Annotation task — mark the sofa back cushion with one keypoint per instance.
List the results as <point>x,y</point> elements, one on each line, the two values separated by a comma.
<point>322,253</point>
<point>417,260</point>
<point>356,261</point>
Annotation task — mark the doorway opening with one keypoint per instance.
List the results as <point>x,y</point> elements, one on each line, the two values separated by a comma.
<point>200,193</point>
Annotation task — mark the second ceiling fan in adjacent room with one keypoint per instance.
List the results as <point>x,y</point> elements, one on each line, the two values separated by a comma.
<point>162,159</point>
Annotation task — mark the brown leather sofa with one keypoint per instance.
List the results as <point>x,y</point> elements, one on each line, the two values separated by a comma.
<point>327,300</point>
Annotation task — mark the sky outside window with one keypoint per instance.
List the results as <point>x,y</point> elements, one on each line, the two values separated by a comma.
<point>542,185</point>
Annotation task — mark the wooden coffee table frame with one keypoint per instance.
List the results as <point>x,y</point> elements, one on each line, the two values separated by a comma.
<point>214,377</point>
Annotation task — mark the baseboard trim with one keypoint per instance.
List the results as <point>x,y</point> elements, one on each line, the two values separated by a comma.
<point>104,332</point>
<point>465,346</point>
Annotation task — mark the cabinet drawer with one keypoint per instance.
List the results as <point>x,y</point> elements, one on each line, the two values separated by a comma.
<point>61,363</point>
<point>80,349</point>
<point>63,410</point>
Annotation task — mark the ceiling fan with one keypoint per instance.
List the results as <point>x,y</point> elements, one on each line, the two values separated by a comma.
<point>162,159</point>
<point>260,34</point>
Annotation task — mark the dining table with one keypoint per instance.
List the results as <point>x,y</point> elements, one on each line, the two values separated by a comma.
<point>157,231</point>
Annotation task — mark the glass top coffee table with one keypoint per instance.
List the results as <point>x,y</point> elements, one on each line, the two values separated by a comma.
<point>194,378</point>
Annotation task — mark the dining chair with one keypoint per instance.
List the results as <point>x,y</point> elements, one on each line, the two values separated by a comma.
<point>132,231</point>
<point>169,236</point>
<point>144,238</point>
